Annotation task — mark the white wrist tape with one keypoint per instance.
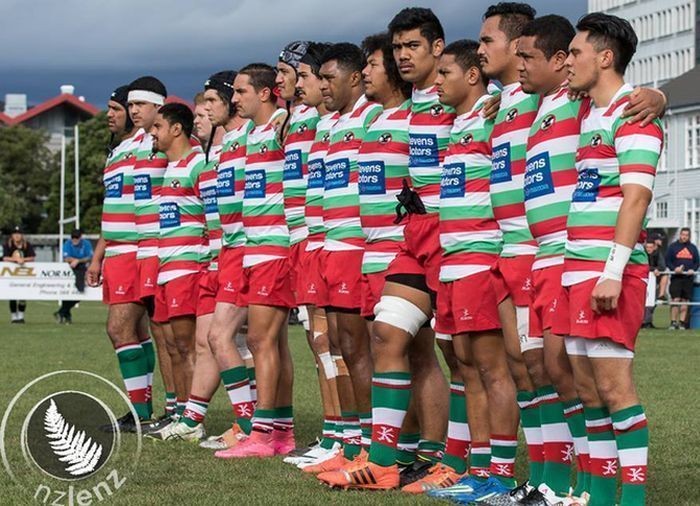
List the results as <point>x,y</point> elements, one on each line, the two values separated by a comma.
<point>617,261</point>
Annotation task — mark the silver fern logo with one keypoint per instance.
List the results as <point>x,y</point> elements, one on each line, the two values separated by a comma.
<point>81,456</point>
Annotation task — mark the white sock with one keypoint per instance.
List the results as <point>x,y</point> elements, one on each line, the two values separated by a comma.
<point>15,316</point>
<point>20,315</point>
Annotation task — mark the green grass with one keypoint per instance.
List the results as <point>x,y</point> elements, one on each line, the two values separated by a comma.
<point>181,473</point>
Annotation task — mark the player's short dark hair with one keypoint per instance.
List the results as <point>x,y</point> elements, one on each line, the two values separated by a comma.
<point>313,56</point>
<point>348,56</point>
<point>610,32</point>
<point>684,229</point>
<point>552,34</point>
<point>421,18</point>
<point>514,17</point>
<point>261,76</point>
<point>465,54</point>
<point>382,42</point>
<point>178,113</point>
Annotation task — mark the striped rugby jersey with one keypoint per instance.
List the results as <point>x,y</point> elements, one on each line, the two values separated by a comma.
<point>267,235</point>
<point>208,186</point>
<point>149,170</point>
<point>383,165</point>
<point>469,235</point>
<point>611,153</point>
<point>429,132</point>
<point>302,131</point>
<point>313,214</point>
<point>230,182</point>
<point>550,174</point>
<point>508,149</point>
<point>183,247</point>
<point>341,198</point>
<point>118,219</point>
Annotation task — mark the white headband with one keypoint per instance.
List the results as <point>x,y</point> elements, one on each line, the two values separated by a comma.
<point>146,96</point>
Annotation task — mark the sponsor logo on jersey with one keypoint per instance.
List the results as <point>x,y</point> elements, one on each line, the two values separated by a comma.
<point>385,138</point>
<point>547,121</point>
<point>436,110</point>
<point>596,140</point>
<point>175,183</point>
<point>348,136</point>
<point>511,115</point>
<point>466,139</point>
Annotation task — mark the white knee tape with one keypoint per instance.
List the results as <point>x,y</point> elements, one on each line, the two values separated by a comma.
<point>303,314</point>
<point>329,368</point>
<point>242,346</point>
<point>575,346</point>
<point>399,313</point>
<point>317,334</point>
<point>527,342</point>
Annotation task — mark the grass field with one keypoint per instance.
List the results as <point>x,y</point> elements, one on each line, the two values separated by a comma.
<point>180,473</point>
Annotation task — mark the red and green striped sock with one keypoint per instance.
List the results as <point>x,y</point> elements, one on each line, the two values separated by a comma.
<point>480,460</point>
<point>180,407</point>
<point>250,371</point>
<point>328,439</point>
<point>134,369</point>
<point>406,448</point>
<point>603,452</point>
<point>352,435</point>
<point>237,384</point>
<point>150,352</point>
<point>391,394</point>
<point>195,411</point>
<point>457,446</point>
<point>530,421</point>
<point>170,403</point>
<point>263,420</point>
<point>557,441</point>
<point>632,441</point>
<point>430,450</point>
<point>503,450</point>
<point>284,419</point>
<point>573,412</point>
<point>366,429</point>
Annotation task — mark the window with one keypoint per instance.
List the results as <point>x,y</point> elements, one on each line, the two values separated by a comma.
<point>692,137</point>
<point>661,210</point>
<point>691,218</point>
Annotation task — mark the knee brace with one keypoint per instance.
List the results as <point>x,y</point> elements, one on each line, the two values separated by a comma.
<point>400,313</point>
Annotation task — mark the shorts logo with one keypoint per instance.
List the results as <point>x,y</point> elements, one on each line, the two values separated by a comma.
<point>343,288</point>
<point>120,290</point>
<point>553,308</point>
<point>384,138</point>
<point>527,285</point>
<point>548,121</point>
<point>467,139</point>
<point>175,184</point>
<point>148,283</point>
<point>466,316</point>
<point>263,291</point>
<point>596,140</point>
<point>174,303</point>
<point>582,319</point>
<point>348,137</point>
<point>228,287</point>
<point>436,110</point>
<point>511,115</point>
<point>312,288</point>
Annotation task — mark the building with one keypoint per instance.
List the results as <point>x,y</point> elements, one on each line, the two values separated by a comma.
<point>666,31</point>
<point>56,115</point>
<point>677,188</point>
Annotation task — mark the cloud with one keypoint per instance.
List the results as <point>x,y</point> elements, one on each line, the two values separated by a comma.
<point>188,39</point>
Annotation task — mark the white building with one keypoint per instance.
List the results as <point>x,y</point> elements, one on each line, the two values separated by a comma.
<point>666,32</point>
<point>677,188</point>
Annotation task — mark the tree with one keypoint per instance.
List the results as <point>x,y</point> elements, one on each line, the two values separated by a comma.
<point>26,166</point>
<point>94,137</point>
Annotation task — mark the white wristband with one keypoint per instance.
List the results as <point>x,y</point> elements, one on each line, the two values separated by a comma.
<point>617,261</point>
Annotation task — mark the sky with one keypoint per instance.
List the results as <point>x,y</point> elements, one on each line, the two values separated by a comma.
<point>99,45</point>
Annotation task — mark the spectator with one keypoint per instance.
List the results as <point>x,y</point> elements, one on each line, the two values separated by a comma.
<point>77,252</point>
<point>657,281</point>
<point>682,258</point>
<point>17,250</point>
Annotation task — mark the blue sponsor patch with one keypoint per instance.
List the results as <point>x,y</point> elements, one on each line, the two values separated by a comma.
<point>538,176</point>
<point>114,186</point>
<point>255,184</point>
<point>371,179</point>
<point>142,187</point>
<point>423,150</point>
<point>225,183</point>
<point>209,198</point>
<point>587,186</point>
<point>169,215</point>
<point>317,173</point>
<point>337,174</point>
<point>500,163</point>
<point>452,180</point>
<point>292,165</point>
